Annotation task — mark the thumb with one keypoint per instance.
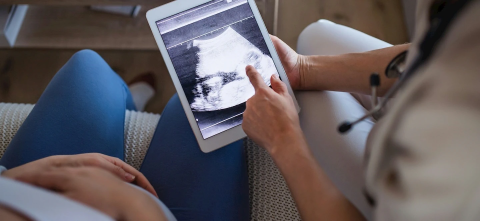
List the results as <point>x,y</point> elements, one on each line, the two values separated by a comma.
<point>277,85</point>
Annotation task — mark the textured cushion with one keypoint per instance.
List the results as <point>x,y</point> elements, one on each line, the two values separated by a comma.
<point>139,130</point>
<point>270,197</point>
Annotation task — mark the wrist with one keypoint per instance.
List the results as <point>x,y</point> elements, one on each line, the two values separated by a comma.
<point>313,70</point>
<point>291,154</point>
<point>303,62</point>
<point>285,143</point>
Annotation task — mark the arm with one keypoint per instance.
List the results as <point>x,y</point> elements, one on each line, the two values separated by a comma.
<point>271,120</point>
<point>100,190</point>
<point>316,196</point>
<point>347,72</point>
<point>111,164</point>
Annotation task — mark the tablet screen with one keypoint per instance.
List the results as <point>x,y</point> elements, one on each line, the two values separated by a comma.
<point>210,46</point>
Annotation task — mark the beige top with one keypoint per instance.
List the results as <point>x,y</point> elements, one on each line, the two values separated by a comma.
<point>424,160</point>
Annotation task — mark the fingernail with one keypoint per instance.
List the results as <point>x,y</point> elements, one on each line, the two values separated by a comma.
<point>276,76</point>
<point>129,176</point>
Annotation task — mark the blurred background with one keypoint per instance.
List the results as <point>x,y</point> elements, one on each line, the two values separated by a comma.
<point>39,36</point>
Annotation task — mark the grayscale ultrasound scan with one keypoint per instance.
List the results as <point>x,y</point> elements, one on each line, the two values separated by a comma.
<point>210,46</point>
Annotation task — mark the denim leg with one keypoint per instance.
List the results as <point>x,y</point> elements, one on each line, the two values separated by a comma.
<point>82,110</point>
<point>195,185</point>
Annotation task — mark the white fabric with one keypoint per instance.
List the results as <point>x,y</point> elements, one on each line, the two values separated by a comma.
<point>424,154</point>
<point>141,93</point>
<point>39,204</point>
<point>341,156</point>
<point>42,205</point>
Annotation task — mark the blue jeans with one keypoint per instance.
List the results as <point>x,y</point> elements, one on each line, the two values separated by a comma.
<point>83,111</point>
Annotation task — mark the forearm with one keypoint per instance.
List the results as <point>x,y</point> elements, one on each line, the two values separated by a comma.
<point>316,196</point>
<point>349,72</point>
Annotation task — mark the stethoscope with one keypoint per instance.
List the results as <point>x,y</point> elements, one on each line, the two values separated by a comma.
<point>398,68</point>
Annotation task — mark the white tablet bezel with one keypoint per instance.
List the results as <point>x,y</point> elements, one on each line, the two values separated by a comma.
<point>236,133</point>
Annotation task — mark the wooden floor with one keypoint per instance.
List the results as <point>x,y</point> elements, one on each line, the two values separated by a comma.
<point>24,73</point>
<point>382,19</point>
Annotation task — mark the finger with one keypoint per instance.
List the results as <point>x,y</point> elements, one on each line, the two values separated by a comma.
<point>115,169</point>
<point>99,160</point>
<point>59,180</point>
<point>278,86</point>
<point>255,77</point>
<point>95,160</point>
<point>139,178</point>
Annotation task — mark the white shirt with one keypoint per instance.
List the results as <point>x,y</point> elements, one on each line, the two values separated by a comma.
<point>424,161</point>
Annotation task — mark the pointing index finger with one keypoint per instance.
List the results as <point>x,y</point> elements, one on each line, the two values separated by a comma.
<point>255,78</point>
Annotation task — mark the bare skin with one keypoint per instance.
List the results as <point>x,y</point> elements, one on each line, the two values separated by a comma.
<point>96,180</point>
<point>99,189</point>
<point>347,72</point>
<point>111,164</point>
<point>272,121</point>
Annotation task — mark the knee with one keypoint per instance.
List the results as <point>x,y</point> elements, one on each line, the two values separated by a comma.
<point>317,33</point>
<point>88,59</point>
<point>173,105</point>
<point>87,68</point>
<point>87,64</point>
<point>320,26</point>
<point>85,54</point>
<point>174,101</point>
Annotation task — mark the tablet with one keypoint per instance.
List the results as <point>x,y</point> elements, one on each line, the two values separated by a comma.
<point>206,45</point>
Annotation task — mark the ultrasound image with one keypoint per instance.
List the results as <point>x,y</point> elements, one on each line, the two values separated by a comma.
<point>221,78</point>
<point>210,47</point>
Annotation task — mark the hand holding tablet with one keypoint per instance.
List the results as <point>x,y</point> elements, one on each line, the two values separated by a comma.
<point>206,46</point>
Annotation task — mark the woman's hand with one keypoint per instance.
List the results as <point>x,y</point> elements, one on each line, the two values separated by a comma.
<point>292,62</point>
<point>114,165</point>
<point>98,189</point>
<point>270,119</point>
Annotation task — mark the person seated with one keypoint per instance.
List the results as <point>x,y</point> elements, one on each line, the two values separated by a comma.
<point>420,162</point>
